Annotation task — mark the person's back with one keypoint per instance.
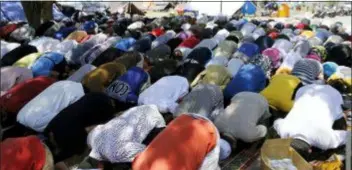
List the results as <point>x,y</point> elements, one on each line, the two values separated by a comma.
<point>191,138</point>
<point>311,119</point>
<point>240,118</point>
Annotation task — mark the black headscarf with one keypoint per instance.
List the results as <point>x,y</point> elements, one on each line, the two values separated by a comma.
<point>16,54</point>
<point>264,42</point>
<point>162,68</point>
<point>340,54</point>
<point>200,55</point>
<point>158,54</point>
<point>108,55</point>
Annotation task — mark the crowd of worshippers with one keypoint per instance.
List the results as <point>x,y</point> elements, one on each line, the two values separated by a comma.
<point>169,93</point>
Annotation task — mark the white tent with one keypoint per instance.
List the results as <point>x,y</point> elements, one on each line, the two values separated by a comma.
<point>209,7</point>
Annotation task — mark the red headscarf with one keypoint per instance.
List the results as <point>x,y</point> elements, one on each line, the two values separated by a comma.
<point>190,42</point>
<point>22,93</point>
<point>25,153</point>
<point>7,30</point>
<point>273,35</point>
<point>300,26</point>
<point>157,32</point>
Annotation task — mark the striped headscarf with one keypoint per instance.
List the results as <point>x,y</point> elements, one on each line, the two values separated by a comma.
<point>307,70</point>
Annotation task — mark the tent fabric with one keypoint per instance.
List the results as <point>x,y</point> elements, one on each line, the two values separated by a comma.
<point>248,8</point>
<point>12,11</point>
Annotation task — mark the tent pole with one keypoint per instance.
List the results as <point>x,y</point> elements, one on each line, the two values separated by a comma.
<point>221,7</point>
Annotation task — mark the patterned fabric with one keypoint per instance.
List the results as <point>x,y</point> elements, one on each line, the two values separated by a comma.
<point>320,51</point>
<point>264,62</point>
<point>204,99</point>
<point>120,139</point>
<point>274,55</point>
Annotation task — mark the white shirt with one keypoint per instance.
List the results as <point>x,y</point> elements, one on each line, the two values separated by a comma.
<point>311,118</point>
<point>7,47</point>
<point>164,93</point>
<point>44,44</point>
<point>120,139</point>
<point>65,46</point>
<point>37,113</point>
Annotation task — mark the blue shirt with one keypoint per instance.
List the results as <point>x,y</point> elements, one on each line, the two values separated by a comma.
<point>127,87</point>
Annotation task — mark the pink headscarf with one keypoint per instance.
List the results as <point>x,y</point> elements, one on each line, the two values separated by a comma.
<point>274,55</point>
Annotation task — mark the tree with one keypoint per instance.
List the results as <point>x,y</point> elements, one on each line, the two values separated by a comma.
<point>38,12</point>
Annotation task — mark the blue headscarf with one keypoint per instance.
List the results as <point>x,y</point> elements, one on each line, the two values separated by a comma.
<point>125,44</point>
<point>249,49</point>
<point>45,63</point>
<point>249,78</point>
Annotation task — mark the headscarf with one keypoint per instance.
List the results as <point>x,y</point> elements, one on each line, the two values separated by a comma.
<point>302,47</point>
<point>329,68</point>
<point>158,54</point>
<point>209,43</point>
<point>130,59</point>
<point>90,27</point>
<point>158,32</point>
<point>247,52</point>
<point>248,28</point>
<point>125,44</point>
<point>162,68</point>
<point>10,76</point>
<point>45,64</point>
<point>225,49</point>
<point>314,57</point>
<point>199,55</point>
<point>234,65</point>
<point>190,42</point>
<point>6,30</point>
<point>174,43</point>
<point>63,32</point>
<point>16,54</point>
<point>27,60</point>
<point>307,70</point>
<point>258,32</point>
<point>341,55</point>
<point>264,42</point>
<point>249,78</point>
<point>23,153</point>
<point>336,39</point>
<point>213,74</point>
<point>190,70</point>
<point>107,55</point>
<point>181,53</point>
<point>98,79</point>
<point>221,35</point>
<point>163,39</point>
<point>320,51</point>
<point>141,45</point>
<point>221,61</point>
<point>283,45</point>
<point>274,55</point>
<point>77,35</point>
<point>19,95</point>
<point>65,46</point>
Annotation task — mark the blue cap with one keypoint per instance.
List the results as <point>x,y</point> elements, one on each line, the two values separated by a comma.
<point>329,68</point>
